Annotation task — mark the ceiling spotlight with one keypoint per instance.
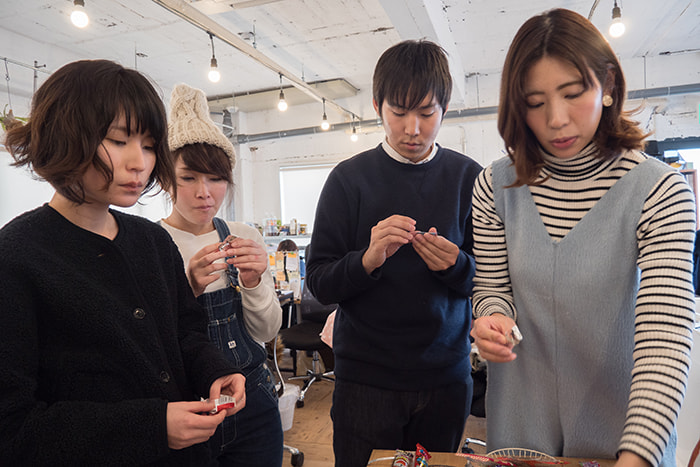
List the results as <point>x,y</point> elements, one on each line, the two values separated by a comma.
<point>617,27</point>
<point>282,104</point>
<point>324,123</point>
<point>78,16</point>
<point>214,75</point>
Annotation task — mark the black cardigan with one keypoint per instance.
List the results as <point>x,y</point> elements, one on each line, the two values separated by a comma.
<point>96,336</point>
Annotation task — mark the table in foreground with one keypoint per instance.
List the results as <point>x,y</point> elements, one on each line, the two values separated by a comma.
<point>448,459</point>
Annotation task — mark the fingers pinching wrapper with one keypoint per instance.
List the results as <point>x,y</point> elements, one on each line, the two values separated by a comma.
<point>227,242</point>
<point>223,402</point>
<point>515,337</point>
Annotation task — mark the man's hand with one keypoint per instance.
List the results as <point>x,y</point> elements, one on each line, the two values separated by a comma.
<point>438,252</point>
<point>490,337</point>
<point>387,237</point>
<point>190,423</point>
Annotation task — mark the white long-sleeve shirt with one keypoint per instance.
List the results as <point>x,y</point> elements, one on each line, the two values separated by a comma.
<point>261,309</point>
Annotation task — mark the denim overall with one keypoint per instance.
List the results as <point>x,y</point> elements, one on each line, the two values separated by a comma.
<point>252,437</point>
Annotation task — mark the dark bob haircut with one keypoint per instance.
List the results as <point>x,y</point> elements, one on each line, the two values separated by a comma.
<point>408,72</point>
<point>567,36</point>
<point>71,113</point>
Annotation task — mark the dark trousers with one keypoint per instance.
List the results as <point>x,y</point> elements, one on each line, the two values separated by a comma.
<point>367,418</point>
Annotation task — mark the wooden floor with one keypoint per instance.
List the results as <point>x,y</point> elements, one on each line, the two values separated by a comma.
<point>312,429</point>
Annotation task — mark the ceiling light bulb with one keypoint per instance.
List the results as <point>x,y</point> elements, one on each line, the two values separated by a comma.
<point>78,16</point>
<point>617,27</point>
<point>353,136</point>
<point>214,75</point>
<point>324,124</point>
<point>282,104</point>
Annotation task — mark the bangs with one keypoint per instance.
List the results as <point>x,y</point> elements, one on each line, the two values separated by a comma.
<point>206,159</point>
<point>411,97</point>
<point>141,115</point>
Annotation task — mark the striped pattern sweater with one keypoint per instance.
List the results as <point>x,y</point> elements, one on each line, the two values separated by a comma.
<point>665,301</point>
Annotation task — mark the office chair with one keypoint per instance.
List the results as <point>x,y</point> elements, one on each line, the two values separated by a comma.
<point>305,336</point>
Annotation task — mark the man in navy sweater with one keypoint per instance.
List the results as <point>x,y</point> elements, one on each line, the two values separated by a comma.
<point>392,246</point>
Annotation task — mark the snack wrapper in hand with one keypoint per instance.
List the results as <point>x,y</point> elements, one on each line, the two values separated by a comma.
<point>515,336</point>
<point>227,242</point>
<point>223,402</point>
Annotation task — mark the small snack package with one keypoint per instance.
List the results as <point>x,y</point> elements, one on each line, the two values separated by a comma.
<point>515,336</point>
<point>422,456</point>
<point>227,242</point>
<point>403,459</point>
<point>223,402</point>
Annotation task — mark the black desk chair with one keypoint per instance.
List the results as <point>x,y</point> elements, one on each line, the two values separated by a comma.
<point>305,336</point>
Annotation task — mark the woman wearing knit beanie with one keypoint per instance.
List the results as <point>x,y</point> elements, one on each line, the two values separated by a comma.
<point>229,277</point>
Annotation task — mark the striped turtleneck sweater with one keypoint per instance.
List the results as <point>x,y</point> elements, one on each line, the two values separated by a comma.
<point>665,235</point>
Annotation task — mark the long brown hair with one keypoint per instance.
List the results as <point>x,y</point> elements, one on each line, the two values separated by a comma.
<point>70,116</point>
<point>567,36</point>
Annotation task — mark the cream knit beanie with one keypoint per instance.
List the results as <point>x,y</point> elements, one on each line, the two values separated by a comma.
<point>190,122</point>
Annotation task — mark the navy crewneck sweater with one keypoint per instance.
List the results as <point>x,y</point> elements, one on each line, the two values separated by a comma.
<point>403,326</point>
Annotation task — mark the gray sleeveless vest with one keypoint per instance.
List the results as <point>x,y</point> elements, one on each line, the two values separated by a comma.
<point>567,392</point>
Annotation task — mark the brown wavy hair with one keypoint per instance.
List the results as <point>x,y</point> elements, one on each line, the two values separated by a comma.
<point>567,36</point>
<point>70,116</point>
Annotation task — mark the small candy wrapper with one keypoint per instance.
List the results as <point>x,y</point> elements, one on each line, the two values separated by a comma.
<point>403,459</point>
<point>223,402</point>
<point>589,464</point>
<point>515,337</point>
<point>227,242</point>
<point>487,461</point>
<point>422,456</point>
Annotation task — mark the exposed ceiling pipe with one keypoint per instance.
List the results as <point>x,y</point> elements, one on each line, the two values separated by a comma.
<point>452,114</point>
<point>664,91</point>
<point>195,17</point>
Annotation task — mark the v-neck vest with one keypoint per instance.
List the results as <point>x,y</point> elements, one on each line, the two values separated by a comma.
<point>567,392</point>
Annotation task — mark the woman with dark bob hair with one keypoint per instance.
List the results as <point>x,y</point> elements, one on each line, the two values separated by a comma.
<point>104,348</point>
<point>586,243</point>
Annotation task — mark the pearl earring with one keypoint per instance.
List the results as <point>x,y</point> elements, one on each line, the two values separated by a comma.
<point>607,100</point>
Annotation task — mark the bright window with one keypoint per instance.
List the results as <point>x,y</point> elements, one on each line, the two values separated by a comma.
<point>300,188</point>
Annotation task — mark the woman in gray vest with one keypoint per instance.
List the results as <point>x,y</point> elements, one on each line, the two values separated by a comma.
<point>586,243</point>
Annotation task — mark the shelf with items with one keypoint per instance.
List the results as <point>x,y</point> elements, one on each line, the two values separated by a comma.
<point>300,240</point>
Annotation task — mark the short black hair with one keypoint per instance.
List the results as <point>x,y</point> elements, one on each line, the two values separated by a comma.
<point>408,72</point>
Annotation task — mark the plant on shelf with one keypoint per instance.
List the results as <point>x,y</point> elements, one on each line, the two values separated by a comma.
<point>8,119</point>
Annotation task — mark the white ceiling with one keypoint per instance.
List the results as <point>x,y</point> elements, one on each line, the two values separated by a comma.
<point>310,40</point>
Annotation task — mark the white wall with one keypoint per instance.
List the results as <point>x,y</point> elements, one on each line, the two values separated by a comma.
<point>19,191</point>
